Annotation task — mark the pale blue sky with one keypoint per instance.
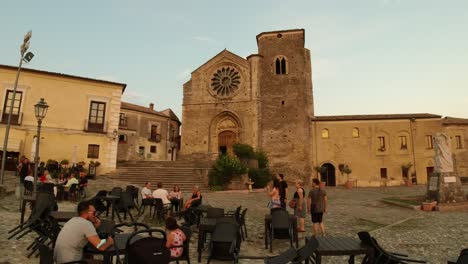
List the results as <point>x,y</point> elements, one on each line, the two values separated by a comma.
<point>368,56</point>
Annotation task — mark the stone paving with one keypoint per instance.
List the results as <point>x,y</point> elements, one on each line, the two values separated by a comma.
<point>434,236</point>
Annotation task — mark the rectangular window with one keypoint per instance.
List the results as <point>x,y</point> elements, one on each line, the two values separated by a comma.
<point>15,114</point>
<point>122,119</point>
<point>458,142</point>
<point>383,173</point>
<point>97,113</point>
<point>141,151</point>
<point>93,151</point>
<point>153,149</point>
<point>154,133</point>
<point>403,142</point>
<point>381,143</point>
<point>173,137</point>
<point>429,142</point>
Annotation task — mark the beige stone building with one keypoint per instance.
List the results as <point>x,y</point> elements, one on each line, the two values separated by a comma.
<point>265,100</point>
<point>80,123</point>
<point>147,134</point>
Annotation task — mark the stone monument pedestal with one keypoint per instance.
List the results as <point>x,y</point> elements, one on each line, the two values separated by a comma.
<point>445,187</point>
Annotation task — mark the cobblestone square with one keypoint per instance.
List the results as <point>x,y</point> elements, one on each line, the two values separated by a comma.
<point>434,236</point>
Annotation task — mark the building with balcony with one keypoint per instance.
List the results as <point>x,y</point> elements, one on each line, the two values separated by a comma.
<point>80,123</point>
<point>147,134</point>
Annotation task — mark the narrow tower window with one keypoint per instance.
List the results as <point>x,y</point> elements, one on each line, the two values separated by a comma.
<point>281,65</point>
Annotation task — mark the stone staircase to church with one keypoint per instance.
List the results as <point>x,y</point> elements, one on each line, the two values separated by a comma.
<point>186,174</point>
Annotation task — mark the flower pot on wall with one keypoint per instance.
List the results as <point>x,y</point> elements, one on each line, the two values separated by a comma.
<point>428,206</point>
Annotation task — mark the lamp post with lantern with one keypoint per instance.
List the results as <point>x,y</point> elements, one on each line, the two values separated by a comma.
<point>40,110</point>
<point>25,57</point>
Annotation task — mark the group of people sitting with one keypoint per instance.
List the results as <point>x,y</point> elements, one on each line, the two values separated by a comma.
<point>173,199</point>
<point>81,230</point>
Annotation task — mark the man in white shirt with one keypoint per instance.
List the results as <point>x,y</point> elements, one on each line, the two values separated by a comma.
<point>162,194</point>
<point>29,178</point>
<point>146,191</point>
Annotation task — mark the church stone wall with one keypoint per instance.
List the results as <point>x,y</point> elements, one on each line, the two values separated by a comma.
<point>205,114</point>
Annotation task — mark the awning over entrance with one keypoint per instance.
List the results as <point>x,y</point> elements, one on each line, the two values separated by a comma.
<point>14,144</point>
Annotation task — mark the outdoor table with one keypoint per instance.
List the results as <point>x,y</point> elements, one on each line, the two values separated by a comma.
<point>340,246</point>
<point>200,210</point>
<point>292,219</point>
<point>59,216</point>
<point>120,243</point>
<point>113,200</point>
<point>207,225</point>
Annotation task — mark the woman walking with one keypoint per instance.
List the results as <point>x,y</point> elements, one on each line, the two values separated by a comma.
<point>300,208</point>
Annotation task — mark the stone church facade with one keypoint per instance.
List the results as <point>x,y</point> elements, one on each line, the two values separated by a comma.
<point>266,101</point>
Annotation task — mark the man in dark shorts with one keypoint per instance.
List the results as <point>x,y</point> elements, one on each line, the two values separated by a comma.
<point>283,190</point>
<point>317,205</point>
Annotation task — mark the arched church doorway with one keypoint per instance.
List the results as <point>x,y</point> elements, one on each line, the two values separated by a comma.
<point>327,174</point>
<point>226,140</point>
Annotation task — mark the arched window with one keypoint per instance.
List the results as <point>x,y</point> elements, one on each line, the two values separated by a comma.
<point>325,133</point>
<point>355,132</point>
<point>122,138</point>
<point>281,65</point>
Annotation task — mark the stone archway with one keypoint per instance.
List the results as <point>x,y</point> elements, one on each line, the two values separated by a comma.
<point>225,131</point>
<point>226,140</point>
<point>327,174</point>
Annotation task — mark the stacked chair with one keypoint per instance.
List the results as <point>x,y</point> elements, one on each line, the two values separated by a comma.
<point>39,222</point>
<point>381,256</point>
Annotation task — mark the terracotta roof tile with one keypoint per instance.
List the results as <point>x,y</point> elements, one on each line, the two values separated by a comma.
<point>146,110</point>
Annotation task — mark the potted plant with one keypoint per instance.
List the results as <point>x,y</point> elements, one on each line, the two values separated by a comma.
<point>429,205</point>
<point>345,169</point>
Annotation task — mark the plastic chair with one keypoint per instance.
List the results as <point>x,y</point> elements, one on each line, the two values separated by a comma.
<point>280,227</point>
<point>147,249</point>
<point>225,242</point>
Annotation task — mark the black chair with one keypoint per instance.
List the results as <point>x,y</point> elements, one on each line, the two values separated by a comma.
<point>225,242</point>
<point>159,210</point>
<point>134,191</point>
<point>126,204</point>
<point>462,258</point>
<point>147,247</point>
<point>242,225</point>
<point>28,188</point>
<point>283,258</point>
<point>280,227</point>
<point>306,253</point>
<point>72,192</point>
<point>380,254</point>
<point>186,246</point>
<point>47,188</point>
<point>98,202</point>
<point>144,203</point>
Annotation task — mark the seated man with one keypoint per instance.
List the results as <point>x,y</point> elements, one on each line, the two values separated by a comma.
<point>71,180</point>
<point>162,194</point>
<point>29,178</point>
<point>146,191</point>
<point>77,232</point>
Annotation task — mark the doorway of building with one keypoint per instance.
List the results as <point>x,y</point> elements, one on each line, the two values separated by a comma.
<point>327,174</point>
<point>226,140</point>
<point>11,160</point>
<point>429,171</point>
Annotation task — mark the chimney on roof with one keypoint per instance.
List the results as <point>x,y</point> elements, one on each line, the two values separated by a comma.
<point>151,106</point>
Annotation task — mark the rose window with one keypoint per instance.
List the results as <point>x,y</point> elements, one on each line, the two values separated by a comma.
<point>225,81</point>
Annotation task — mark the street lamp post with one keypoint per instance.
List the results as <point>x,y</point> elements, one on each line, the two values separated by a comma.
<point>40,110</point>
<point>25,57</point>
